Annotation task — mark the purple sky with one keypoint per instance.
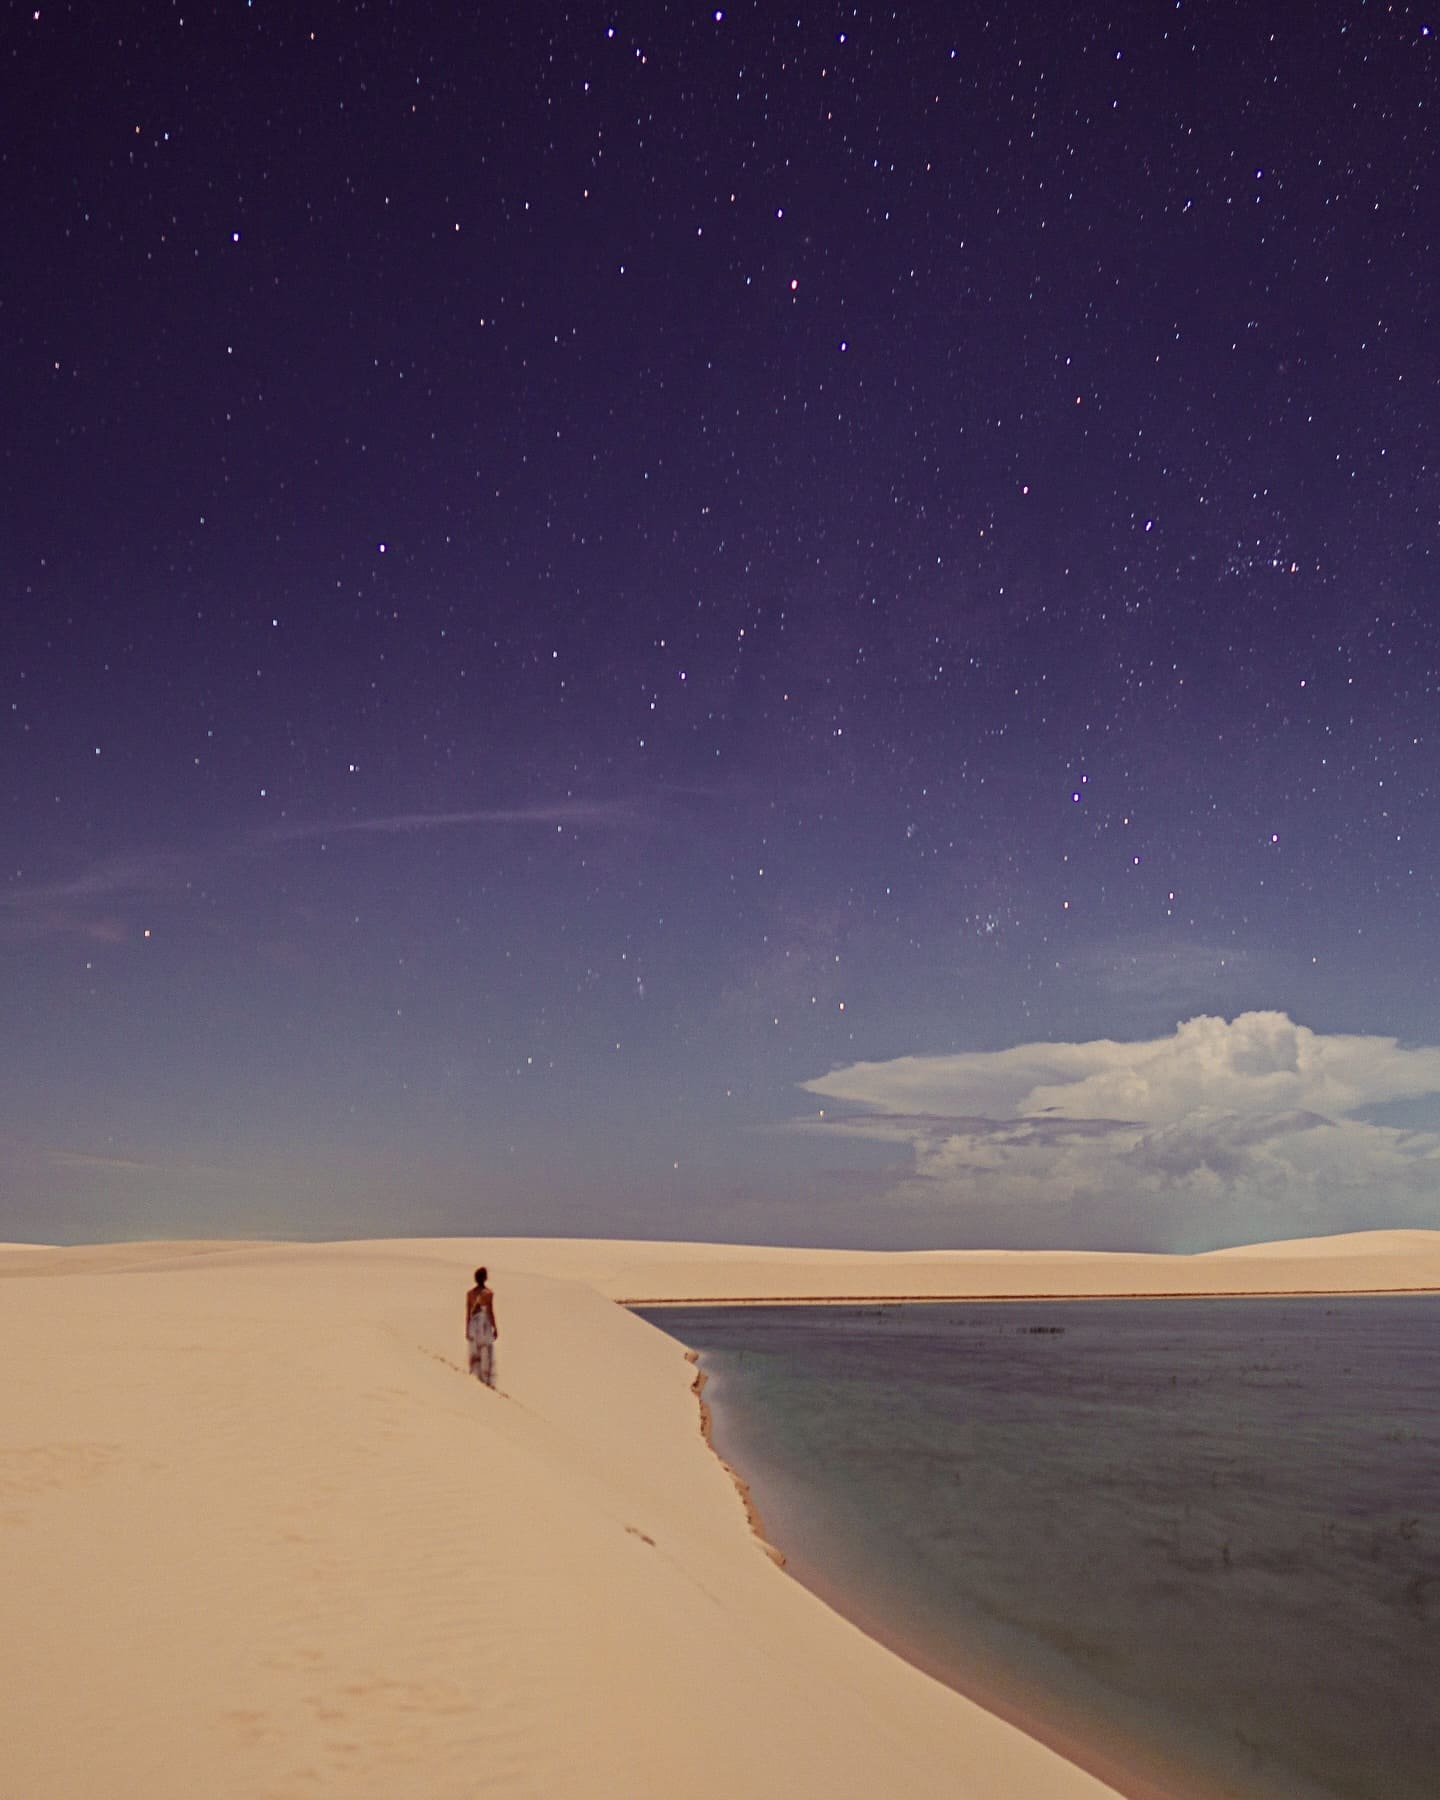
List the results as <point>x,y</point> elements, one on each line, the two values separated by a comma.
<point>570,572</point>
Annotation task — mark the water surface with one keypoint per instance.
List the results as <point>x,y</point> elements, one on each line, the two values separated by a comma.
<point>1205,1530</point>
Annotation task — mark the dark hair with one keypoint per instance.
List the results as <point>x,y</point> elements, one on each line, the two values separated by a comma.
<point>480,1275</point>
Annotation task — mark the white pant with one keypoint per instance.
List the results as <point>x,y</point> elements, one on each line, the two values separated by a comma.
<point>482,1361</point>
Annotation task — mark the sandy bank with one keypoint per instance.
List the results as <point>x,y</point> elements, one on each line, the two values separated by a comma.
<point>261,1536</point>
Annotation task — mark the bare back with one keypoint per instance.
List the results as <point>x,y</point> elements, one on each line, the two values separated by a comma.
<point>480,1299</point>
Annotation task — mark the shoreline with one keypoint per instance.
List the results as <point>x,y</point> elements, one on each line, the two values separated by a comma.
<point>1132,1771</point>
<point>972,1299</point>
<point>742,1486</point>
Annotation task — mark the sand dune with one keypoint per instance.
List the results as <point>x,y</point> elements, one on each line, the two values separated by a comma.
<point>261,1536</point>
<point>1367,1261</point>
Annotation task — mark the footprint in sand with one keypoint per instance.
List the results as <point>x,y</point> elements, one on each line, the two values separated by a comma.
<point>51,1468</point>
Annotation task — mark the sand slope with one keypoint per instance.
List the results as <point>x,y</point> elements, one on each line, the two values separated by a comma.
<point>261,1536</point>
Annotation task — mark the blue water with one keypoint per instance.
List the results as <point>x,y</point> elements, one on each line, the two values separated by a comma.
<point>1207,1532</point>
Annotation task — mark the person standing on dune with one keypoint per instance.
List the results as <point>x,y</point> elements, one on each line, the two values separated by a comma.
<point>481,1331</point>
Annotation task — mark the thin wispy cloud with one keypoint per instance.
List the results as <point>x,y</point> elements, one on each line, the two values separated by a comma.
<point>1224,1131</point>
<point>83,1162</point>
<point>578,813</point>
<point>109,878</point>
<point>88,904</point>
<point>1151,970</point>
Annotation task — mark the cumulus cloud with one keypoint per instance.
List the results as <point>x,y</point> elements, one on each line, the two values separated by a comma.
<point>1226,1130</point>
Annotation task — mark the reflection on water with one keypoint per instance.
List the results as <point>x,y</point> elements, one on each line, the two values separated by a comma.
<point>1210,1526</point>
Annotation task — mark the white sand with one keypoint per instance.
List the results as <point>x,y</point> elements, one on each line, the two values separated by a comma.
<point>261,1536</point>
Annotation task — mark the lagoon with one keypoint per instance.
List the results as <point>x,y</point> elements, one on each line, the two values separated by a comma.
<point>1195,1543</point>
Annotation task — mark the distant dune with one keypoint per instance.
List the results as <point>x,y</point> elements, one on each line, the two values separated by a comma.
<point>1365,1261</point>
<point>261,1535</point>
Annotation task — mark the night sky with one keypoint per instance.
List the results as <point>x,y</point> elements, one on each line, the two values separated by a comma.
<point>569,572</point>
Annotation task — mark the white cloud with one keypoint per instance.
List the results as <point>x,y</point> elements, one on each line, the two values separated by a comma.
<point>1222,1132</point>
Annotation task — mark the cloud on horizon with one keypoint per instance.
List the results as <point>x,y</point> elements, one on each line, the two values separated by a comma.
<point>1226,1131</point>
